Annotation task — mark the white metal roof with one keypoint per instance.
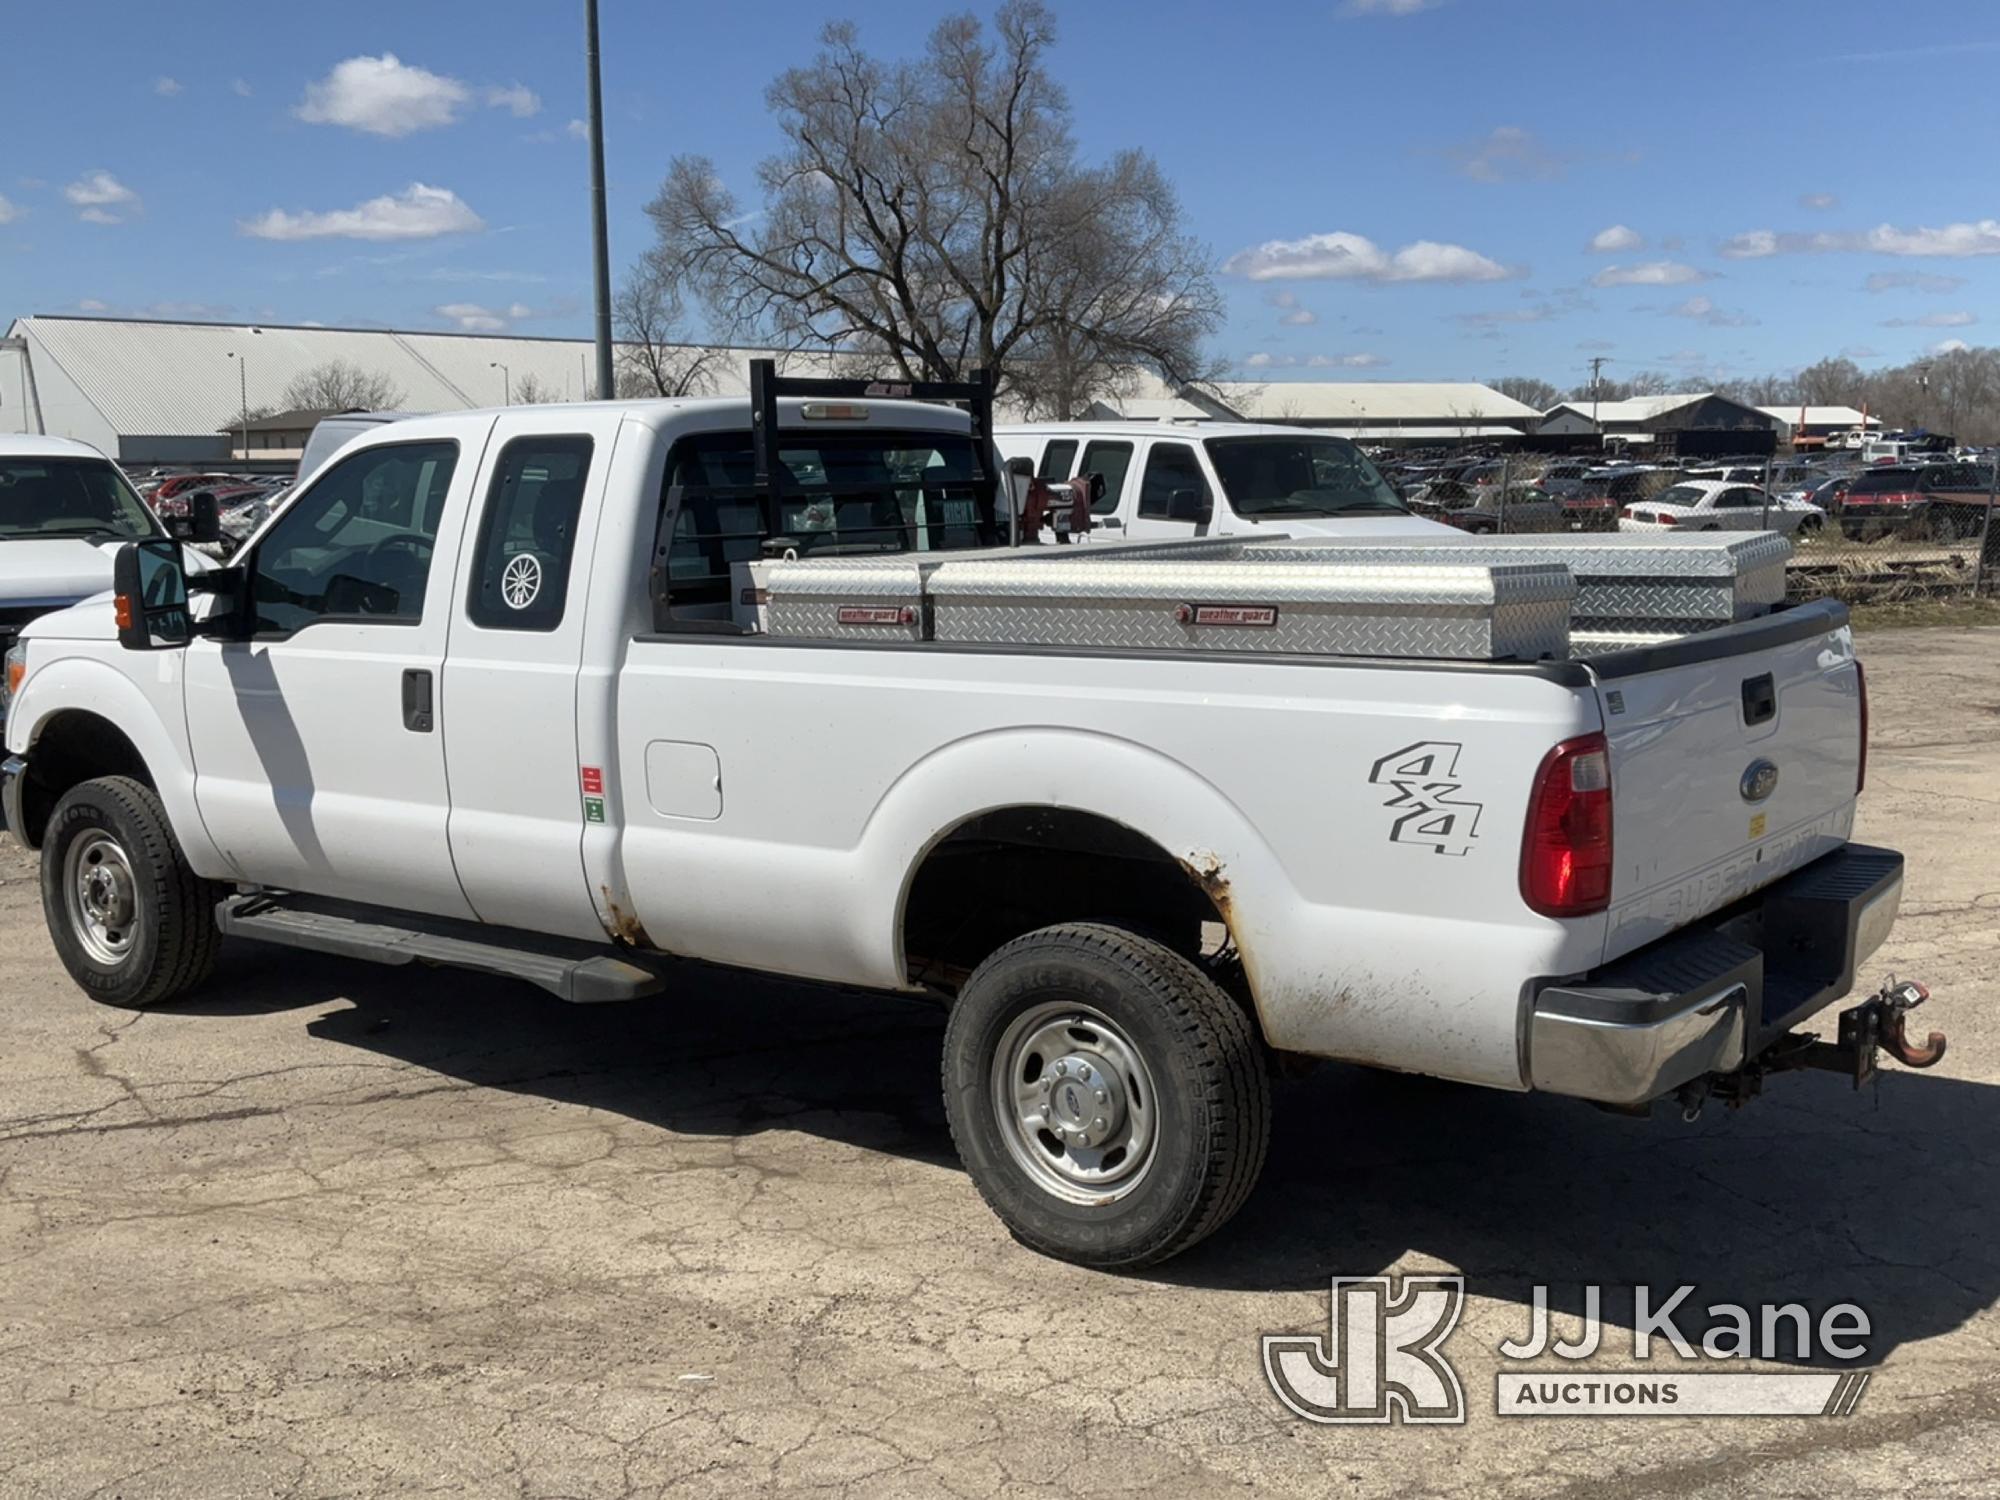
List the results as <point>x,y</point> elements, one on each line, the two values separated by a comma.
<point>1632,408</point>
<point>162,379</point>
<point>1820,416</point>
<point>1378,401</point>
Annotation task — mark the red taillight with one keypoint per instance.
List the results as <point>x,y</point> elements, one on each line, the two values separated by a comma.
<point>1861,770</point>
<point>1566,850</point>
<point>1666,520</point>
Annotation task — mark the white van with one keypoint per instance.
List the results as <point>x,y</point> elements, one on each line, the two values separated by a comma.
<point>1200,478</point>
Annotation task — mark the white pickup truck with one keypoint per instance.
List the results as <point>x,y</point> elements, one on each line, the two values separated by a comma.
<point>480,696</point>
<point>65,509</point>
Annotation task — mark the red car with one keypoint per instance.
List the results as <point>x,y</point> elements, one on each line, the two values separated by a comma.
<point>170,499</point>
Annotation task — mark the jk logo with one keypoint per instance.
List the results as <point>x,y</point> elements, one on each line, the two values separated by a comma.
<point>1379,1360</point>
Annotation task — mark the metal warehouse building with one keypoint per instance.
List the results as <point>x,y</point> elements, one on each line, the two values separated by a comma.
<point>1691,423</point>
<point>150,392</point>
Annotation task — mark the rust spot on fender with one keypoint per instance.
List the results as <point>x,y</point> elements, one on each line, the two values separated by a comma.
<point>623,926</point>
<point>1209,873</point>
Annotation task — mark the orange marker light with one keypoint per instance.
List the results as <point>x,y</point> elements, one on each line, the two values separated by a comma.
<point>122,611</point>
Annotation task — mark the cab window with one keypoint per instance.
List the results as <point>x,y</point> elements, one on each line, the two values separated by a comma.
<point>1171,468</point>
<point>1112,460</point>
<point>528,534</point>
<point>1056,459</point>
<point>357,544</point>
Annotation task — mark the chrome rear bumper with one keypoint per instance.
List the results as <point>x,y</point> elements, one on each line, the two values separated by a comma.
<point>1712,997</point>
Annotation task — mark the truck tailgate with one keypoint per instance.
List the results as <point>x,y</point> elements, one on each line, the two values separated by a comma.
<point>1734,760</point>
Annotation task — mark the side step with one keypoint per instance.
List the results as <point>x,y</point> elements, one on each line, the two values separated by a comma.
<point>573,971</point>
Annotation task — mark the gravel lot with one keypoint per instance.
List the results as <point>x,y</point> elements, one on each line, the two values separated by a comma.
<point>337,1230</point>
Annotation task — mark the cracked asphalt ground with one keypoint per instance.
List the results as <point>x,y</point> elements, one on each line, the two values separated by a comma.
<point>330,1229</point>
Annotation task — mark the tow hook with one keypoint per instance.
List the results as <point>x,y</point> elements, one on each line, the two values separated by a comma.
<point>1866,1031</point>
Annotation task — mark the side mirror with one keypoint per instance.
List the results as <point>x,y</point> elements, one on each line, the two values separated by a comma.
<point>149,582</point>
<point>202,523</point>
<point>1190,505</point>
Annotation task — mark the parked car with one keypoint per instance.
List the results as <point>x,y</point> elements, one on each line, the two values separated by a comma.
<point>1187,479</point>
<point>1717,505</point>
<point>416,743</point>
<point>1483,511</point>
<point>64,511</point>
<point>169,497</point>
<point>1604,492</point>
<point>1928,502</point>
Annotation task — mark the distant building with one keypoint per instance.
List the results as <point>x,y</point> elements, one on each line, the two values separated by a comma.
<point>1688,424</point>
<point>1410,412</point>
<point>281,435</point>
<point>1811,426</point>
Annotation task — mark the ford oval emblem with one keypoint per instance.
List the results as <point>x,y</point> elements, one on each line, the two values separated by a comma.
<point>1760,779</point>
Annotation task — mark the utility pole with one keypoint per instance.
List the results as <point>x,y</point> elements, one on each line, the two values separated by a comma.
<point>1596,367</point>
<point>506,382</point>
<point>599,235</point>
<point>243,394</point>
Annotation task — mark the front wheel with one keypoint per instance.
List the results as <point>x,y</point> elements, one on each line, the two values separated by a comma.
<point>130,921</point>
<point>1109,1099</point>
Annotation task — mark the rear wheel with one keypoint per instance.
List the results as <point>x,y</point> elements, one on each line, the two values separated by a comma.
<point>130,921</point>
<point>1109,1099</point>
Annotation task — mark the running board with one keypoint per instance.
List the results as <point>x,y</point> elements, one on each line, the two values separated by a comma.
<point>572,971</point>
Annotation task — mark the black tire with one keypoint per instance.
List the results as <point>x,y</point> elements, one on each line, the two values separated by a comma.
<point>170,942</point>
<point>1204,1066</point>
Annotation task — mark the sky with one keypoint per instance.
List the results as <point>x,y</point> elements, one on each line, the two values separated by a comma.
<point>1393,189</point>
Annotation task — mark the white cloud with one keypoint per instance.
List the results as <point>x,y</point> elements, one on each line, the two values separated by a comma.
<point>166,88</point>
<point>382,96</point>
<point>240,87</point>
<point>516,99</point>
<point>472,317</point>
<point>1341,256</point>
<point>1509,154</point>
<point>1818,200</point>
<point>101,198</point>
<point>8,211</point>
<point>1618,237</point>
<point>1300,317</point>
<point>1935,320</point>
<point>578,131</point>
<point>1947,241</point>
<point>1649,273</point>
<point>1911,281</point>
<point>1702,310</point>
<point>1386,7</point>
<point>1265,360</point>
<point>419,212</point>
<point>92,305</point>
<point>1950,346</point>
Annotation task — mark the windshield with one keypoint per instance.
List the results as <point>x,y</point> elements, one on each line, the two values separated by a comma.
<point>1884,482</point>
<point>1680,494</point>
<point>45,497</point>
<point>1300,476</point>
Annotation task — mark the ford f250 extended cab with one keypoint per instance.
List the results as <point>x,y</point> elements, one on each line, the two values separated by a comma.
<point>491,692</point>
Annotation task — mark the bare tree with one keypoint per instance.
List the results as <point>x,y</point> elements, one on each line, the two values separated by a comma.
<point>655,357</point>
<point>1528,391</point>
<point>1831,382</point>
<point>340,385</point>
<point>934,217</point>
<point>532,390</point>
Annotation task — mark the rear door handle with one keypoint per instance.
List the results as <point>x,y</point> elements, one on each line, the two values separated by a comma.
<point>417,710</point>
<point>1760,699</point>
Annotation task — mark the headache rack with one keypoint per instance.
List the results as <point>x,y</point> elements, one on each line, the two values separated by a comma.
<point>865,507</point>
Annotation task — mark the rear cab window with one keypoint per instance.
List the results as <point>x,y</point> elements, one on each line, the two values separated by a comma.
<point>843,494</point>
<point>527,533</point>
<point>1114,461</point>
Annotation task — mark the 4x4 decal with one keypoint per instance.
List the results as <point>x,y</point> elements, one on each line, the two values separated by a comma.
<point>1429,813</point>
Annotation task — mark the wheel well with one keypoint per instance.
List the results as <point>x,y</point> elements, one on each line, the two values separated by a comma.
<point>1011,871</point>
<point>72,748</point>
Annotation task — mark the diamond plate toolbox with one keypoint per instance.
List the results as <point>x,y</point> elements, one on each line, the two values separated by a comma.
<point>1625,582</point>
<point>1470,610</point>
<point>840,599</point>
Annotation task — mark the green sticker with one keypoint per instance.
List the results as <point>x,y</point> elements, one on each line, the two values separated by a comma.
<point>593,809</point>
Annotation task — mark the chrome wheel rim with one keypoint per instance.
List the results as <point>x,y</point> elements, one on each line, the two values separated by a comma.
<point>1075,1102</point>
<point>103,898</point>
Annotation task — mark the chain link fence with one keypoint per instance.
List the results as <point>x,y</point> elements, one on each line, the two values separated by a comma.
<point>1861,533</point>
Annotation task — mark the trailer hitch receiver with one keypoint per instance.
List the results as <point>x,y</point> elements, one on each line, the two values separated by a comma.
<point>1875,1026</point>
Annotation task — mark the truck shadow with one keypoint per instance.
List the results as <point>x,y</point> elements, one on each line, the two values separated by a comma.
<point>1814,1194</point>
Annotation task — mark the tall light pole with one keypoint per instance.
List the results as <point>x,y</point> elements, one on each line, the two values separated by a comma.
<point>506,382</point>
<point>599,235</point>
<point>243,395</point>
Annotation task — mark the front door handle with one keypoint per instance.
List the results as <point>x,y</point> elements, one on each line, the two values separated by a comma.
<point>417,711</point>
